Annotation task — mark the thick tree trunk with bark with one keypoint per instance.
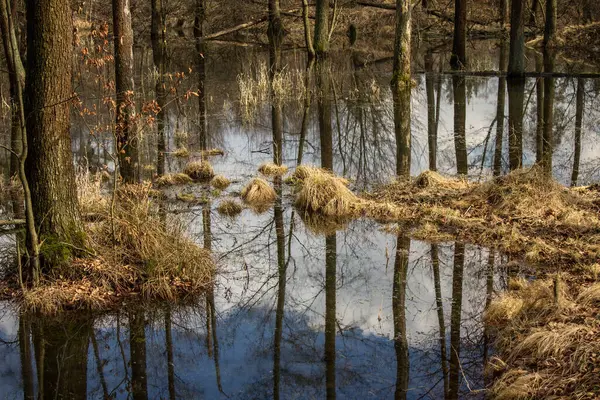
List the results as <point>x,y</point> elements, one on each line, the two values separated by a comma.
<point>322,28</point>
<point>324,111</point>
<point>125,124</point>
<point>158,35</point>
<point>550,28</point>
<point>401,87</point>
<point>330,313</point>
<point>199,37</point>
<point>516,57</point>
<point>455,321</point>
<point>516,95</point>
<point>458,59</point>
<point>48,94</point>
<point>578,123</point>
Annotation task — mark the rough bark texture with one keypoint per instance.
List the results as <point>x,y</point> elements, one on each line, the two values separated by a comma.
<point>49,165</point>
<point>137,348</point>
<point>578,123</point>
<point>516,95</point>
<point>322,28</point>
<point>159,52</point>
<point>516,57</point>
<point>550,28</point>
<point>458,59</point>
<point>125,124</point>
<point>401,87</point>
<point>460,116</point>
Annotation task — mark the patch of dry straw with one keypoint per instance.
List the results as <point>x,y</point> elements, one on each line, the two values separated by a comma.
<point>259,194</point>
<point>200,171</point>
<point>272,169</point>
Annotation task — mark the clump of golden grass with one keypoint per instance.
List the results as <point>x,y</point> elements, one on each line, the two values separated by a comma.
<point>590,296</point>
<point>259,194</point>
<point>199,171</point>
<point>229,207</point>
<point>181,138</point>
<point>212,152</point>
<point>173,179</point>
<point>186,197</point>
<point>220,182</point>
<point>137,253</point>
<point>324,193</point>
<point>89,192</point>
<point>546,348</point>
<point>181,152</point>
<point>272,169</point>
<point>523,214</point>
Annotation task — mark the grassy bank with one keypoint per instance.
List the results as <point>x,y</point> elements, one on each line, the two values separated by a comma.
<point>133,252</point>
<point>547,337</point>
<point>523,214</point>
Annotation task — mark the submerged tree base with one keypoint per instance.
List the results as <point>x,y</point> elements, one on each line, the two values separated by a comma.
<point>134,252</point>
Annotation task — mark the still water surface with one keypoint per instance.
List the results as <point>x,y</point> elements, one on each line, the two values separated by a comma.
<point>357,312</point>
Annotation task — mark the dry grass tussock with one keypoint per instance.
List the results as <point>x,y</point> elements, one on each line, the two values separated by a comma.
<point>149,257</point>
<point>272,169</point>
<point>259,194</point>
<point>546,347</point>
<point>173,179</point>
<point>89,192</point>
<point>229,207</point>
<point>575,41</point>
<point>200,171</point>
<point>220,182</point>
<point>181,152</point>
<point>523,213</point>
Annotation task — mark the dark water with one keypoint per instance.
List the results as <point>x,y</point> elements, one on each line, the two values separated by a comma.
<point>357,313</point>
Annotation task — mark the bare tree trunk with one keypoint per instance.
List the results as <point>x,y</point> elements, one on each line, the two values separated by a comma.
<point>125,122</point>
<point>548,113</point>
<point>16,71</point>
<point>324,111</point>
<point>281,285</point>
<point>460,116</point>
<point>504,12</point>
<point>399,313</point>
<point>199,36</point>
<point>307,37</point>
<point>500,114</point>
<point>159,52</point>
<point>578,123</point>
<point>516,57</point>
<point>431,112</point>
<point>49,163</point>
<point>459,45</point>
<point>539,130</point>
<point>535,4</point>
<point>401,87</point>
<point>516,94</point>
<point>550,28</point>
<point>322,28</point>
